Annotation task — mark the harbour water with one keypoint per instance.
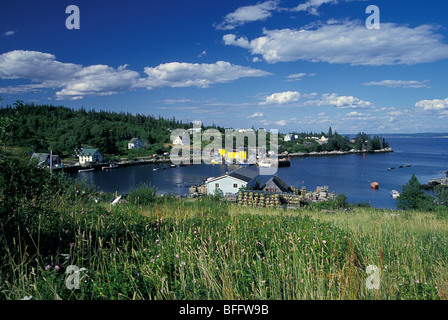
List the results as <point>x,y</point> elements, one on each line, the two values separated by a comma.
<point>348,174</point>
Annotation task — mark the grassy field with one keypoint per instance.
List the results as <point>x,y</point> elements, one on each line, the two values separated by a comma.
<point>208,249</point>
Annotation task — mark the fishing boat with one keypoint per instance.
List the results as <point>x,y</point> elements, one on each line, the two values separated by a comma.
<point>111,166</point>
<point>173,166</point>
<point>155,169</point>
<point>408,165</point>
<point>374,185</point>
<point>85,170</point>
<point>395,194</point>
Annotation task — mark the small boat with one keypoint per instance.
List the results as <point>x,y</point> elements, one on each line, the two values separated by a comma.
<point>265,164</point>
<point>111,166</point>
<point>173,166</point>
<point>395,194</point>
<point>284,163</point>
<point>374,185</point>
<point>408,165</point>
<point>155,169</point>
<point>85,170</point>
<point>116,200</point>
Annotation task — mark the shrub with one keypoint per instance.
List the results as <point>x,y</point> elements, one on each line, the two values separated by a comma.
<point>143,194</point>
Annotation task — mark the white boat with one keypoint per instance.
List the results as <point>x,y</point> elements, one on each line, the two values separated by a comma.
<point>116,200</point>
<point>265,164</point>
<point>85,170</point>
<point>395,194</point>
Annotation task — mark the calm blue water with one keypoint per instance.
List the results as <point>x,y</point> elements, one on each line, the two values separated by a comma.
<point>348,174</point>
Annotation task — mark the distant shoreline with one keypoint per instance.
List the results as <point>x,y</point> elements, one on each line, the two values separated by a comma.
<point>331,153</point>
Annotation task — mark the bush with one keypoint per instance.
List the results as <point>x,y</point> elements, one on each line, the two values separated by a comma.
<point>143,194</point>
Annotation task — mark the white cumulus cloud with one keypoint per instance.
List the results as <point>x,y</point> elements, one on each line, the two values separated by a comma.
<point>247,14</point>
<point>340,102</point>
<point>312,5</point>
<point>435,105</point>
<point>256,115</point>
<point>347,42</point>
<point>74,81</point>
<point>182,74</point>
<point>282,98</point>
<point>281,123</point>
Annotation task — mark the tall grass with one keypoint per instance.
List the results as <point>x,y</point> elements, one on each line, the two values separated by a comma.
<point>208,249</point>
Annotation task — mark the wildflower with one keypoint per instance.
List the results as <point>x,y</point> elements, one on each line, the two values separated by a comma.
<point>176,256</point>
<point>72,244</point>
<point>47,267</point>
<point>152,260</point>
<point>57,267</point>
<point>163,279</point>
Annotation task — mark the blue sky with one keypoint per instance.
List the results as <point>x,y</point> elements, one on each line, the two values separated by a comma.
<point>291,65</point>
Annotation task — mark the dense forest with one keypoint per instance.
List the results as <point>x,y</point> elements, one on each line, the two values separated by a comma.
<point>39,128</point>
<point>64,130</point>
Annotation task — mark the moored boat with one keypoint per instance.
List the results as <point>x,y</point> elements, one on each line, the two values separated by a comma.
<point>374,185</point>
<point>111,166</point>
<point>395,194</point>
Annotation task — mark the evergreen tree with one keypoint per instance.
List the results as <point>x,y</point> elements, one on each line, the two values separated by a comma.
<point>413,197</point>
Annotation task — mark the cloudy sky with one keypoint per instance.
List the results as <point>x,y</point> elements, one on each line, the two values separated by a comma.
<point>291,65</point>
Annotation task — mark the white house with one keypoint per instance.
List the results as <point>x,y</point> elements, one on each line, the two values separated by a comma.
<point>230,183</point>
<point>89,155</point>
<point>289,137</point>
<point>179,141</point>
<point>135,143</point>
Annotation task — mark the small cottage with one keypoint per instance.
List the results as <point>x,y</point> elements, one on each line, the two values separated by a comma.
<point>43,159</point>
<point>135,143</point>
<point>183,142</point>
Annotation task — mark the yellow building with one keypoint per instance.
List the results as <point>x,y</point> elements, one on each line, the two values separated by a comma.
<point>241,155</point>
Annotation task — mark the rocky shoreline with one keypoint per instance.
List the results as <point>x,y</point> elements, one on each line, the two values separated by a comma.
<point>331,153</point>
<point>436,182</point>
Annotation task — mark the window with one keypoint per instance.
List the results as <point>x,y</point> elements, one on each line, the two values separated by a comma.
<point>235,185</point>
<point>216,185</point>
